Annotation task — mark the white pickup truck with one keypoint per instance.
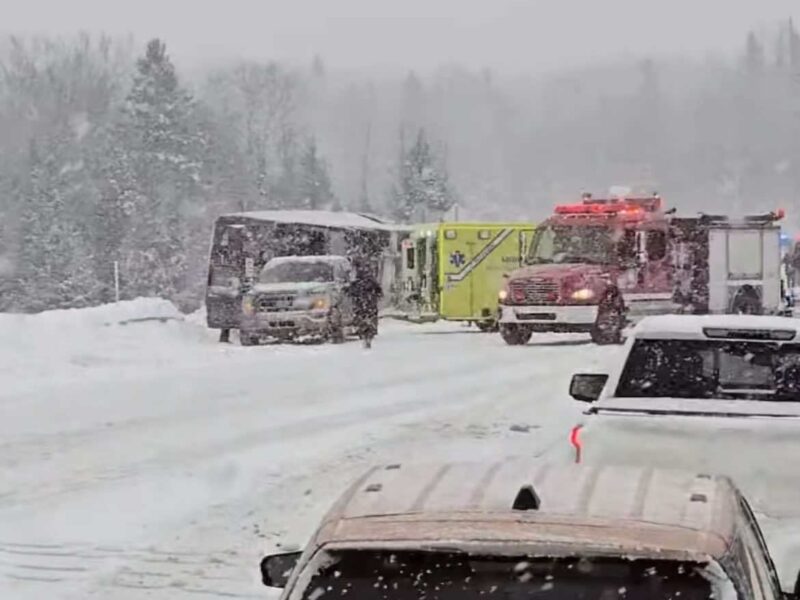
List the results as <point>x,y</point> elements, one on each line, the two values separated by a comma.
<point>715,394</point>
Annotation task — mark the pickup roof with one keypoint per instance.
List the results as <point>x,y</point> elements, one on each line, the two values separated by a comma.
<point>518,528</point>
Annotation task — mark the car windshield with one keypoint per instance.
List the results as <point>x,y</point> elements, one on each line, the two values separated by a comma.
<point>296,272</point>
<point>571,244</point>
<point>369,575</point>
<point>712,369</point>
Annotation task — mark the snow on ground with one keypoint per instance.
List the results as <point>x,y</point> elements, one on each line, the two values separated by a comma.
<point>145,460</point>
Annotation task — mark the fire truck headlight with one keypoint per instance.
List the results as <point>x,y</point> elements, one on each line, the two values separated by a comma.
<point>582,294</point>
<point>502,295</point>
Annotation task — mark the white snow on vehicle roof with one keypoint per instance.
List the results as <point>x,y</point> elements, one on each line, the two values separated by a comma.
<point>323,218</point>
<point>690,327</point>
<point>323,258</point>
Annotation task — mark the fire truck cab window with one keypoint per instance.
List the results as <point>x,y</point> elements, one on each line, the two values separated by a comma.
<point>626,248</point>
<point>570,244</point>
<point>656,245</point>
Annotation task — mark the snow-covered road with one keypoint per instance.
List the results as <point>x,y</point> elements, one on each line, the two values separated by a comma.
<point>145,460</point>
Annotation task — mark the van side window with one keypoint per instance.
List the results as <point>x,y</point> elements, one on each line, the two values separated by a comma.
<point>410,258</point>
<point>656,245</point>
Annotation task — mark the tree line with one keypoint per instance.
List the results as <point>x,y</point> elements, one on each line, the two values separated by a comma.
<point>108,162</point>
<point>109,154</point>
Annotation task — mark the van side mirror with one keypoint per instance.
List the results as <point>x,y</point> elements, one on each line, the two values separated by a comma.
<point>586,387</point>
<point>277,568</point>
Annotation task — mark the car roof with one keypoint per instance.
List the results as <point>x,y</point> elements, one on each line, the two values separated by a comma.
<point>321,218</point>
<point>637,507</point>
<point>691,326</point>
<point>322,258</point>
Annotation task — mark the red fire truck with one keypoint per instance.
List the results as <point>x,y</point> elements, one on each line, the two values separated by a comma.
<point>594,266</point>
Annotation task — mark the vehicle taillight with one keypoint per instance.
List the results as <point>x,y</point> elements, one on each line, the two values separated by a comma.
<point>575,440</point>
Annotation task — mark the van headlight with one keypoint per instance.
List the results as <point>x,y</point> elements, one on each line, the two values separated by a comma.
<point>582,294</point>
<point>502,295</point>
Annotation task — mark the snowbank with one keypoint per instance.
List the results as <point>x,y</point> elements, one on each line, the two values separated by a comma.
<point>106,314</point>
<point>64,344</point>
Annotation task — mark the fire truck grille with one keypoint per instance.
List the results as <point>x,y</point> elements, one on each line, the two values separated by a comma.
<point>534,291</point>
<point>274,302</point>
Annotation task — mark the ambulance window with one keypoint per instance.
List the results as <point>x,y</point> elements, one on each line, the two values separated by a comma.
<point>656,245</point>
<point>450,234</point>
<point>410,256</point>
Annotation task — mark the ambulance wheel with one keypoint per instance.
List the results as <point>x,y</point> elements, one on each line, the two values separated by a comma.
<point>515,335</point>
<point>487,326</point>
<point>610,322</point>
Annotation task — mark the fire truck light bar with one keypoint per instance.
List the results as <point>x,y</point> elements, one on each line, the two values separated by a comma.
<point>629,206</point>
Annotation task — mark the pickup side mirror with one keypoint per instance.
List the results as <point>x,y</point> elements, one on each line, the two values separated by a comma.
<point>277,568</point>
<point>586,387</point>
<point>795,595</point>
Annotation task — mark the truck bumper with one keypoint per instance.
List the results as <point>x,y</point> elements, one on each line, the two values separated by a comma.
<point>580,317</point>
<point>286,323</point>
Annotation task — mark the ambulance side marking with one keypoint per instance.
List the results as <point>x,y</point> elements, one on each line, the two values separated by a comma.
<point>480,257</point>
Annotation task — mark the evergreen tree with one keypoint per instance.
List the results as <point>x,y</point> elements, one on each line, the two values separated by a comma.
<point>423,190</point>
<point>314,184</point>
<point>164,147</point>
<point>55,266</point>
<point>793,47</point>
<point>754,55</point>
<point>318,67</point>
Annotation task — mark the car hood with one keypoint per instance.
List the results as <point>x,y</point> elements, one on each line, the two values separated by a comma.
<point>559,271</point>
<point>303,287</point>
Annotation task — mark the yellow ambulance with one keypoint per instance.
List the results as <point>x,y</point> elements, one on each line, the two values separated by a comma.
<point>453,271</point>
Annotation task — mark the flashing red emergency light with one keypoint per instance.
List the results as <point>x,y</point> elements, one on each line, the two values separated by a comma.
<point>628,206</point>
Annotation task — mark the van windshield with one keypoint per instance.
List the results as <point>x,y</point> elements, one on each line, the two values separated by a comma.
<point>413,575</point>
<point>296,272</point>
<point>571,244</point>
<point>711,369</point>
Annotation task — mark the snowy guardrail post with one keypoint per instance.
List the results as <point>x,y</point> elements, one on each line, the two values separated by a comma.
<point>116,281</point>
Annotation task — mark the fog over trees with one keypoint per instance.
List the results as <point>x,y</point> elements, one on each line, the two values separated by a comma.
<point>108,152</point>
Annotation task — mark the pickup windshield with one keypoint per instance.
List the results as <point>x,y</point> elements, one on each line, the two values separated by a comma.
<point>571,244</point>
<point>404,575</point>
<point>712,369</point>
<point>296,272</point>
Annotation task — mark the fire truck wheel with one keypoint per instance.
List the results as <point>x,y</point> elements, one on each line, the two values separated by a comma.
<point>515,335</point>
<point>610,322</point>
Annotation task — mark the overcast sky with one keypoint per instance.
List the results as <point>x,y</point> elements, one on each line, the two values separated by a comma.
<point>510,35</point>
